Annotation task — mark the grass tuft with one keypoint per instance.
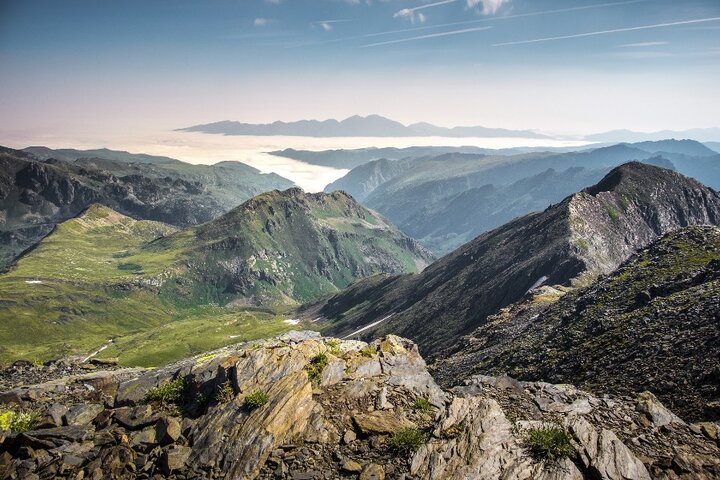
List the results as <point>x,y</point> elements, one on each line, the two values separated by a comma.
<point>20,421</point>
<point>225,393</point>
<point>367,351</point>
<point>256,399</point>
<point>316,366</point>
<point>422,405</point>
<point>549,443</point>
<point>168,393</point>
<point>408,440</point>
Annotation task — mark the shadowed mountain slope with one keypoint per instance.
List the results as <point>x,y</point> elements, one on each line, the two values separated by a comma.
<point>589,233</point>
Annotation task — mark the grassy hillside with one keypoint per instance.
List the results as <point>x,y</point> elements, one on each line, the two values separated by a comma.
<point>38,190</point>
<point>83,285</point>
<point>162,293</point>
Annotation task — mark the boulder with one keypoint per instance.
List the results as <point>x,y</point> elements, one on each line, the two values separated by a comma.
<point>656,412</point>
<point>174,458</point>
<point>82,414</point>
<point>381,422</point>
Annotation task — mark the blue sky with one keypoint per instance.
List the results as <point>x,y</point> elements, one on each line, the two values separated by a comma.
<point>560,65</point>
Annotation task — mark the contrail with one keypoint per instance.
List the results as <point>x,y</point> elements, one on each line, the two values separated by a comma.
<point>506,17</point>
<point>431,35</point>
<point>605,32</point>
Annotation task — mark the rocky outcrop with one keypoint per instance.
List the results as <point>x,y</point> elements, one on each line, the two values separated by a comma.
<point>651,325</point>
<point>305,407</point>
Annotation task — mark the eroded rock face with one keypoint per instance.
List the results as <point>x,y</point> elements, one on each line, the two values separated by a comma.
<point>268,409</point>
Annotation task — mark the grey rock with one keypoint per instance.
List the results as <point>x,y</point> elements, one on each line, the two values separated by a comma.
<point>82,414</point>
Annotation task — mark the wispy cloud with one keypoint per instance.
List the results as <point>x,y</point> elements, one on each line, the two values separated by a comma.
<point>607,32</point>
<point>328,25</point>
<point>431,35</point>
<point>414,14</point>
<point>261,22</point>
<point>489,7</point>
<point>475,22</point>
<point>506,17</point>
<point>643,44</point>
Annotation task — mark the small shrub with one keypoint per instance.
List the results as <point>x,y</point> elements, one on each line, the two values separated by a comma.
<point>203,400</point>
<point>225,393</point>
<point>317,365</point>
<point>21,421</point>
<point>422,405</point>
<point>334,347</point>
<point>624,203</point>
<point>367,351</point>
<point>168,393</point>
<point>549,443</point>
<point>256,399</point>
<point>408,439</point>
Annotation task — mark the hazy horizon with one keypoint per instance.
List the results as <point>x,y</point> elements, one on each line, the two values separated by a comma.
<point>80,70</point>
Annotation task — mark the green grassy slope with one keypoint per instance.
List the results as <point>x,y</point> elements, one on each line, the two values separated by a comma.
<point>162,293</point>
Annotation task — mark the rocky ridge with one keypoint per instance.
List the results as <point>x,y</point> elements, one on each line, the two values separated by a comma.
<point>587,234</point>
<point>650,325</point>
<point>305,407</point>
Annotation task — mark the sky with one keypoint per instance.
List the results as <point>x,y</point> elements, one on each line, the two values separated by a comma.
<point>90,70</point>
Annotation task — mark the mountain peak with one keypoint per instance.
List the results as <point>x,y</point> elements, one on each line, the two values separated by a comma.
<point>587,234</point>
<point>631,174</point>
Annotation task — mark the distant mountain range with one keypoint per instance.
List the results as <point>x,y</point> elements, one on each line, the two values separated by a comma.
<point>356,126</point>
<point>378,126</point>
<point>614,136</point>
<point>446,200</point>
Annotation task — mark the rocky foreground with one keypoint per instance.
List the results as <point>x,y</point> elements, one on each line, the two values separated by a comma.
<point>305,407</point>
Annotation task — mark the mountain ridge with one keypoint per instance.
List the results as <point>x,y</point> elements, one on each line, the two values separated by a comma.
<point>36,194</point>
<point>355,126</point>
<point>577,239</point>
<point>653,319</point>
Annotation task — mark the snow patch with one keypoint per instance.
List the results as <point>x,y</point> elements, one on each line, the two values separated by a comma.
<point>33,281</point>
<point>539,282</point>
<point>292,321</point>
<point>371,325</point>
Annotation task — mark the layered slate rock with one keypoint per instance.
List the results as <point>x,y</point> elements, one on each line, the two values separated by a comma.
<point>345,425</point>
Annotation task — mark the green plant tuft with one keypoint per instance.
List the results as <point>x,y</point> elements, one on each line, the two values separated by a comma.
<point>334,347</point>
<point>316,366</point>
<point>20,421</point>
<point>408,439</point>
<point>225,393</point>
<point>612,213</point>
<point>549,443</point>
<point>256,399</point>
<point>422,405</point>
<point>168,393</point>
<point>367,351</point>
